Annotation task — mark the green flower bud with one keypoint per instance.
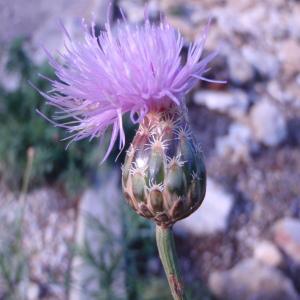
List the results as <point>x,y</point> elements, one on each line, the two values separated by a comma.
<point>164,177</point>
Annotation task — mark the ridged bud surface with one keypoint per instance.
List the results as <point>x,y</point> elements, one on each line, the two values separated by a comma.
<point>164,176</point>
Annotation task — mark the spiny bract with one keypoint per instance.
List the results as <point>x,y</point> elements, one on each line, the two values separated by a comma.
<point>164,175</point>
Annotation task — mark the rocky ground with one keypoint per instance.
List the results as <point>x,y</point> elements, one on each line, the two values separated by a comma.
<point>47,224</point>
<point>248,129</point>
<point>244,243</point>
<point>249,223</point>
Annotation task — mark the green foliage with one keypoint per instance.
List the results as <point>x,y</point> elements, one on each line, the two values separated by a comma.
<point>154,288</point>
<point>103,263</point>
<point>119,267</point>
<point>13,259</point>
<point>21,128</point>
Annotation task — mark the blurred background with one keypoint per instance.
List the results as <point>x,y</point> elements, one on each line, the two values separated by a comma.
<point>65,232</point>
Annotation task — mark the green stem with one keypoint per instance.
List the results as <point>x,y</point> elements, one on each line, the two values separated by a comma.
<point>26,177</point>
<point>167,253</point>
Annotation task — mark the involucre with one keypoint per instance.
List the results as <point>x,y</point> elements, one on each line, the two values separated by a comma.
<point>164,176</point>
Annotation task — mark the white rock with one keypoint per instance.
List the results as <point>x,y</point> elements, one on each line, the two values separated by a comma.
<point>99,208</point>
<point>267,123</point>
<point>293,22</point>
<point>234,102</point>
<point>264,62</point>
<point>40,21</point>
<point>240,70</point>
<point>268,253</point>
<point>133,9</point>
<point>250,280</point>
<point>33,291</point>
<point>289,54</point>
<point>237,144</point>
<point>275,90</point>
<point>10,81</point>
<point>213,214</point>
<point>287,237</point>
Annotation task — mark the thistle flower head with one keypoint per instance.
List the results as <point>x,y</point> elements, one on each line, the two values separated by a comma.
<point>126,69</point>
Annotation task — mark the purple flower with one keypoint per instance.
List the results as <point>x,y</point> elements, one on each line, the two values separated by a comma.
<point>127,69</point>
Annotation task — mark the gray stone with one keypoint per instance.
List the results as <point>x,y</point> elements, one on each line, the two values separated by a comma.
<point>268,253</point>
<point>250,280</point>
<point>39,20</point>
<point>10,81</point>
<point>275,90</point>
<point>233,102</point>
<point>287,236</point>
<point>18,19</point>
<point>265,63</point>
<point>240,71</point>
<point>33,291</point>
<point>289,54</point>
<point>268,123</point>
<point>99,208</point>
<point>212,216</point>
<point>236,145</point>
<point>134,10</point>
<point>293,22</point>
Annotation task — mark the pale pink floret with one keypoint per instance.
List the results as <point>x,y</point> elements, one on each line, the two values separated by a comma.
<point>125,70</point>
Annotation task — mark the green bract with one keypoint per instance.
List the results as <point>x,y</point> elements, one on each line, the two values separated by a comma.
<point>164,176</point>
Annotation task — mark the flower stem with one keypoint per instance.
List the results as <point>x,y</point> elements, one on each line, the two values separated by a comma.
<point>168,256</point>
